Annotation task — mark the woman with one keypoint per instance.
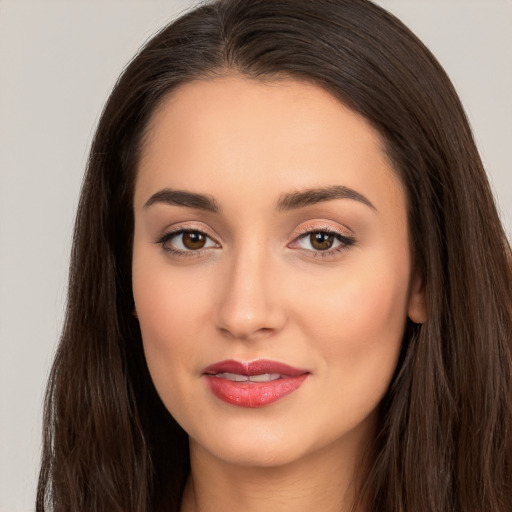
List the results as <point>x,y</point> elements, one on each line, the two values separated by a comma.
<point>290,288</point>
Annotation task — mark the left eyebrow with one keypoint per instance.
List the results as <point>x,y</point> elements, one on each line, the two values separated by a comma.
<point>312,196</point>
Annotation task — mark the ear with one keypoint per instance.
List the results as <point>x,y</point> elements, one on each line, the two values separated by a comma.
<point>417,310</point>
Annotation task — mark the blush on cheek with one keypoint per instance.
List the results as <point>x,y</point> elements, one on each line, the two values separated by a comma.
<point>375,320</point>
<point>384,310</point>
<point>169,312</point>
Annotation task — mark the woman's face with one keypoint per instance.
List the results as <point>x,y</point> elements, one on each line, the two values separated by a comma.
<point>271,268</point>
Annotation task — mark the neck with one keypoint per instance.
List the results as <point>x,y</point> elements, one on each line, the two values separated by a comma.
<point>324,481</point>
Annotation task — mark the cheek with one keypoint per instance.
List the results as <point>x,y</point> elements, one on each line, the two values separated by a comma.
<point>161,302</point>
<point>165,297</point>
<point>171,315</point>
<point>358,333</point>
<point>359,322</point>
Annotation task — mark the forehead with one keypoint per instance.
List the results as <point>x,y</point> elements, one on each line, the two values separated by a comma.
<point>266,137</point>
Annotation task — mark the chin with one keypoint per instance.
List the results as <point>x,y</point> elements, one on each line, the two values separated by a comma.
<point>263,447</point>
<point>253,455</point>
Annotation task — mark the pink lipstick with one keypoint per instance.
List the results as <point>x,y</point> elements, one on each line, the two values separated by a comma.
<point>254,384</point>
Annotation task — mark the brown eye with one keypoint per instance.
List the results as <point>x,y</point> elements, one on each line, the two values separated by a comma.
<point>321,241</point>
<point>185,241</point>
<point>193,240</point>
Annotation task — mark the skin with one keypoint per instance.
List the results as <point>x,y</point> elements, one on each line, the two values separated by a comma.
<point>259,289</point>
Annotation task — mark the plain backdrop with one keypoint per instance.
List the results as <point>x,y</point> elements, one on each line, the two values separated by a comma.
<point>58,62</point>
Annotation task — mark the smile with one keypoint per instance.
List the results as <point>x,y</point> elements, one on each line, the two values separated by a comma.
<point>254,384</point>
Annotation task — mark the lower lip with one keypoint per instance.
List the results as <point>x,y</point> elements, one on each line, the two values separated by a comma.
<point>253,394</point>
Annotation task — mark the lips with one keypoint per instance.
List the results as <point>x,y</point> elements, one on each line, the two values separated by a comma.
<point>253,384</point>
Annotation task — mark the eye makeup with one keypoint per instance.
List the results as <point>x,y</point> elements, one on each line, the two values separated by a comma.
<point>318,240</point>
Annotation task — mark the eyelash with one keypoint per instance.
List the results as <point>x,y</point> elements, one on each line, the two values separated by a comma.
<point>345,242</point>
<point>179,252</point>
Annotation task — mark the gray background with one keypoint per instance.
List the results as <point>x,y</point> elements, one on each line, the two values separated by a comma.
<point>58,62</point>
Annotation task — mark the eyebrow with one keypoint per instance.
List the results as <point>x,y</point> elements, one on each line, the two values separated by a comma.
<point>290,201</point>
<point>312,196</point>
<point>184,198</point>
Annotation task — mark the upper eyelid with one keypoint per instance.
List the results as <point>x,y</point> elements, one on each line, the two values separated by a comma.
<point>173,233</point>
<point>320,226</point>
<point>336,233</point>
<point>326,229</point>
<point>297,234</point>
<point>180,228</point>
<point>315,226</point>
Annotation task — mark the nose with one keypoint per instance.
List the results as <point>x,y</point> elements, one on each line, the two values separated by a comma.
<point>249,300</point>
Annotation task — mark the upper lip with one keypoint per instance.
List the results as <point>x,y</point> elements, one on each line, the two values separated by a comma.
<point>258,367</point>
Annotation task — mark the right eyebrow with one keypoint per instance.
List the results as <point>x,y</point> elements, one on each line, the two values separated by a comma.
<point>184,198</point>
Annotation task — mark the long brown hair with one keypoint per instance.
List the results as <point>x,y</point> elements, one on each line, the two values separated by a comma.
<point>445,436</point>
